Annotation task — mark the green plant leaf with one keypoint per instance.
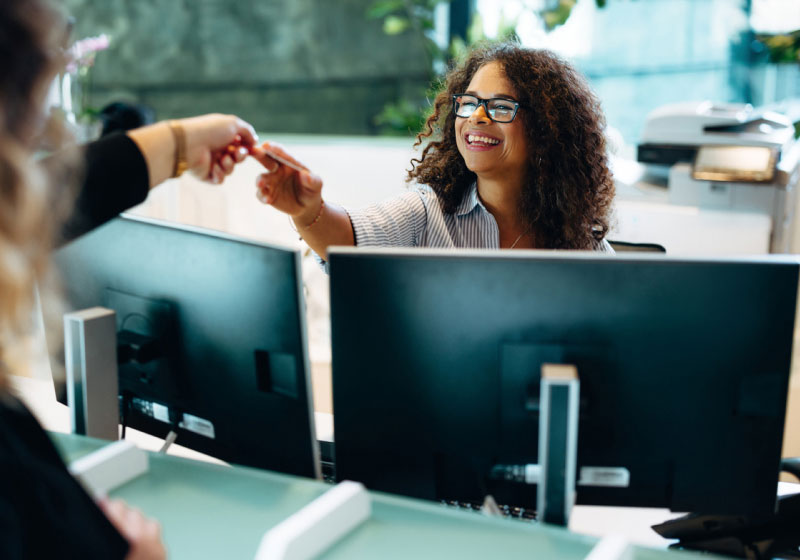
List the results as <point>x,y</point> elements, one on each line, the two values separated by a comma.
<point>781,48</point>
<point>558,15</point>
<point>394,25</point>
<point>384,8</point>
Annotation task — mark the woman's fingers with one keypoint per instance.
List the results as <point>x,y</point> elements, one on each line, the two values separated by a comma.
<point>280,189</point>
<point>226,163</point>
<point>246,132</point>
<point>311,184</point>
<point>240,153</point>
<point>262,156</point>
<point>217,174</point>
<point>278,150</point>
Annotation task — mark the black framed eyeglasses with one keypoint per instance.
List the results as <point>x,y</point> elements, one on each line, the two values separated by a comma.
<point>498,109</point>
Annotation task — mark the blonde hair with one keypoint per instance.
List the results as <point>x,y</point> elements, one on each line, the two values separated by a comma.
<point>30,210</point>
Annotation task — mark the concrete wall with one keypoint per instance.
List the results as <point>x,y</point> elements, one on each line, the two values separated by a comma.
<point>287,66</point>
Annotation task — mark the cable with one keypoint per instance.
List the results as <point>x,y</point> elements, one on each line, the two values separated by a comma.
<point>169,440</point>
<point>126,406</point>
<point>490,507</point>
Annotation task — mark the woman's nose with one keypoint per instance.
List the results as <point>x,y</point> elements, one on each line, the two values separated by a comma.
<point>479,115</point>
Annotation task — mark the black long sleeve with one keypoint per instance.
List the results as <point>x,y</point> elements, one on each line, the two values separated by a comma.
<point>44,512</point>
<point>115,179</point>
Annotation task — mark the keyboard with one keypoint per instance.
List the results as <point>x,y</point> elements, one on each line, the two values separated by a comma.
<point>512,512</point>
<point>506,511</point>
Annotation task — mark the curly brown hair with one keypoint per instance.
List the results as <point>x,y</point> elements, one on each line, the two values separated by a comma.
<point>569,189</point>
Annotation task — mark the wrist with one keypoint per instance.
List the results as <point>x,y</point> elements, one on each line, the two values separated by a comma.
<point>310,217</point>
<point>180,153</point>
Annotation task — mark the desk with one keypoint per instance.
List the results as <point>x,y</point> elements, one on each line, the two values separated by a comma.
<point>214,511</point>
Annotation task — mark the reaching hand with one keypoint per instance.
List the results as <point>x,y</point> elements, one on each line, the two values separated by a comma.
<point>297,193</point>
<point>215,144</point>
<point>143,534</point>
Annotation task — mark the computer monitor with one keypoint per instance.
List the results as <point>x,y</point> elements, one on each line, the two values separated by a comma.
<point>215,325</point>
<point>683,365</point>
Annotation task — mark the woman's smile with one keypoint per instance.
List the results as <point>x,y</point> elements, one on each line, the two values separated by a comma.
<point>480,141</point>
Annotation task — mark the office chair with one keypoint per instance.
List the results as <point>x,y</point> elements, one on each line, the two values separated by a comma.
<point>627,247</point>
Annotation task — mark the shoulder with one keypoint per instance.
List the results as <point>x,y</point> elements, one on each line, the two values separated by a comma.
<point>427,196</point>
<point>424,192</point>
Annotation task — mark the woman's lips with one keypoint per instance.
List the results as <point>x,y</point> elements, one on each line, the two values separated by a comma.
<point>481,142</point>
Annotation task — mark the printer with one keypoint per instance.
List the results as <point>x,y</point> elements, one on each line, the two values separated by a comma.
<point>727,157</point>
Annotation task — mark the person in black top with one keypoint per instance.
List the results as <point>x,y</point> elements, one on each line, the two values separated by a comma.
<point>44,513</point>
<point>124,116</point>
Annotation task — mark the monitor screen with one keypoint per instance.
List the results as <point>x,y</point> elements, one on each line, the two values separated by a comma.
<point>683,365</point>
<point>211,338</point>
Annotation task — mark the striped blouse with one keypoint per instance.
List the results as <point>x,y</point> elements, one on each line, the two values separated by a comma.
<point>415,219</point>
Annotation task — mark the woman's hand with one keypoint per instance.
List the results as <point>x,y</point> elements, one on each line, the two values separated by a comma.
<point>143,534</point>
<point>215,144</point>
<point>296,193</point>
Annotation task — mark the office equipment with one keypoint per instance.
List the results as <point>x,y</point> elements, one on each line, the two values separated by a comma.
<point>728,157</point>
<point>628,247</point>
<point>559,396</point>
<point>674,132</point>
<point>214,511</point>
<point>317,526</point>
<point>737,164</point>
<point>739,536</point>
<point>683,365</point>
<point>90,352</point>
<point>210,336</point>
<point>109,467</point>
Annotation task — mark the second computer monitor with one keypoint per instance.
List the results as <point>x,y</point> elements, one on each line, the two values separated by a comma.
<point>211,337</point>
<point>683,364</point>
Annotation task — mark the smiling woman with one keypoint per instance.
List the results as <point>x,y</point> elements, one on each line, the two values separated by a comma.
<point>557,179</point>
<point>517,159</point>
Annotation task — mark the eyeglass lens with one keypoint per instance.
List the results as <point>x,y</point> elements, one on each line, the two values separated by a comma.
<point>500,110</point>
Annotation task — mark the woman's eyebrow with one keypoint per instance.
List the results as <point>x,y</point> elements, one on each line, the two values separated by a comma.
<point>494,96</point>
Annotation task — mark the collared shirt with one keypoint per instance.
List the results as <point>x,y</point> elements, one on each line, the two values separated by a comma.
<point>416,219</point>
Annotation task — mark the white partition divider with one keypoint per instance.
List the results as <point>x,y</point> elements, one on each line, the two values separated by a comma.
<point>110,467</point>
<point>612,547</point>
<point>317,526</point>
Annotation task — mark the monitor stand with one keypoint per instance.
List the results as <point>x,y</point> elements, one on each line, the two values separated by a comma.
<point>555,473</point>
<point>558,442</point>
<point>90,355</point>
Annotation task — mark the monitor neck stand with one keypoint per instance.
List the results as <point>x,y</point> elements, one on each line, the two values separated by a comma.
<point>90,355</point>
<point>558,442</point>
<point>555,474</point>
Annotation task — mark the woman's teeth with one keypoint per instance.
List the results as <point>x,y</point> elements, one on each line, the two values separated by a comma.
<point>483,139</point>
